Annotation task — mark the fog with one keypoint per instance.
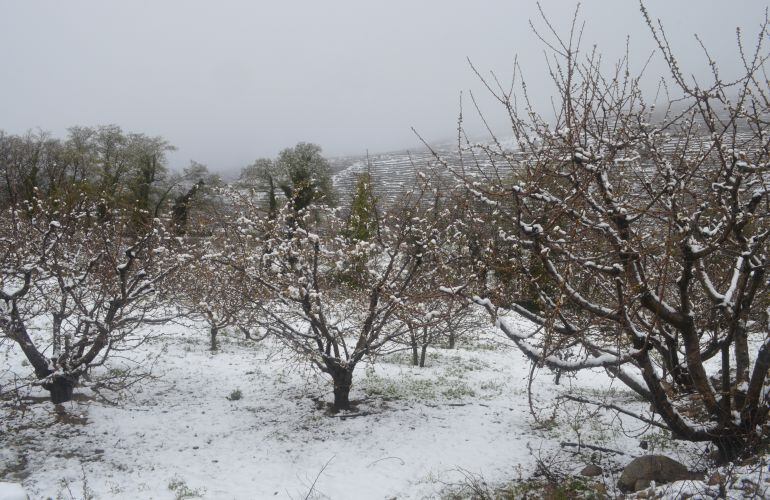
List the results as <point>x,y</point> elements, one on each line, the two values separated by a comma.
<point>229,81</point>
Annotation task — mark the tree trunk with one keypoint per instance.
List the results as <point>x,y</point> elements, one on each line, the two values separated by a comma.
<point>415,349</point>
<point>343,381</point>
<point>213,332</point>
<point>61,387</point>
<point>181,209</point>
<point>742,364</point>
<point>730,447</point>
<point>38,361</point>
<point>56,330</point>
<point>452,338</point>
<point>422,355</point>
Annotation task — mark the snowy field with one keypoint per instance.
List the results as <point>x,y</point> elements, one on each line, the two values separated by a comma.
<point>251,422</point>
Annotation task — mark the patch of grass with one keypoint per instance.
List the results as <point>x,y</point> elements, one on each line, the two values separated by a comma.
<point>492,388</point>
<point>458,392</point>
<point>118,372</point>
<point>476,343</point>
<point>404,358</point>
<point>407,386</point>
<point>235,395</point>
<point>66,492</point>
<point>475,487</point>
<point>182,490</point>
<point>457,366</point>
<point>617,394</point>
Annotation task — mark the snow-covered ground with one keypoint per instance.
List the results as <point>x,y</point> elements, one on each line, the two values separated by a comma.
<point>250,422</point>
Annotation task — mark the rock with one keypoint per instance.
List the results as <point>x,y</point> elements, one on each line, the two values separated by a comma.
<point>643,470</point>
<point>642,484</point>
<point>591,470</point>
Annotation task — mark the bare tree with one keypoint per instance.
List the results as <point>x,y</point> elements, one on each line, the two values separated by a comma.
<point>649,230</point>
<point>431,316</point>
<point>213,290</point>
<point>333,299</point>
<point>75,291</point>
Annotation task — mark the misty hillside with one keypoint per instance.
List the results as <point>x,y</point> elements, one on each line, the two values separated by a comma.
<point>394,173</point>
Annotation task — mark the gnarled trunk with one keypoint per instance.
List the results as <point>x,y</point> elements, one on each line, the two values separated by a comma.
<point>343,381</point>
<point>213,333</point>
<point>61,387</point>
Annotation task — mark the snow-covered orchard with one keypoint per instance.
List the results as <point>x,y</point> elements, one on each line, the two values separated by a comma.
<point>577,309</point>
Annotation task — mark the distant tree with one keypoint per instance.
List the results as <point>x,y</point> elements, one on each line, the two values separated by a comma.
<point>334,327</point>
<point>430,316</point>
<point>180,210</point>
<point>193,188</point>
<point>213,290</point>
<point>147,156</point>
<point>299,174</point>
<point>30,167</point>
<point>263,175</point>
<point>103,163</point>
<point>305,176</point>
<point>363,220</point>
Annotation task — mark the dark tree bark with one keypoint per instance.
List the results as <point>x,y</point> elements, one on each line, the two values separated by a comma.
<point>181,209</point>
<point>343,380</point>
<point>424,349</point>
<point>213,333</point>
<point>61,387</point>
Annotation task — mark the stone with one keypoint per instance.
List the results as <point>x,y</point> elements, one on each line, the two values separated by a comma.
<point>642,484</point>
<point>643,470</point>
<point>591,470</point>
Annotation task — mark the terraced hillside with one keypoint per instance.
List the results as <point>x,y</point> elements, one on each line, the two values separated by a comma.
<point>395,172</point>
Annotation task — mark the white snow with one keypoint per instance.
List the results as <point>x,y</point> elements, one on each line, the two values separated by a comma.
<point>415,430</point>
<point>12,491</point>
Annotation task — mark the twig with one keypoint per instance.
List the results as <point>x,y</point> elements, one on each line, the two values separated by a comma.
<point>386,458</point>
<point>591,447</point>
<point>617,409</point>
<point>312,486</point>
<point>352,415</point>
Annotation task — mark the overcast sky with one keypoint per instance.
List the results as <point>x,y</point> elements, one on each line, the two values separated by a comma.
<point>228,81</point>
